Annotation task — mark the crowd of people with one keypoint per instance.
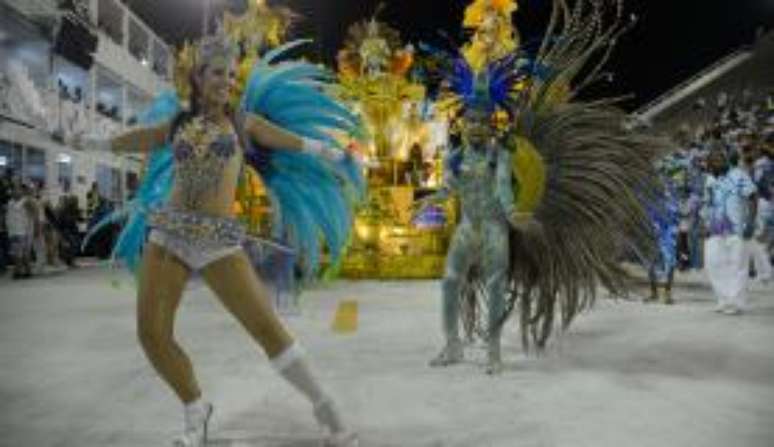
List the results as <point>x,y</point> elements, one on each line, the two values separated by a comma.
<point>720,185</point>
<point>37,236</point>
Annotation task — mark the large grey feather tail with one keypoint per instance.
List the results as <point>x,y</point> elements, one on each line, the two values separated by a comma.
<point>600,178</point>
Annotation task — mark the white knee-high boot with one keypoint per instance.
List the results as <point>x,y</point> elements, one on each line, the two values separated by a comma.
<point>294,368</point>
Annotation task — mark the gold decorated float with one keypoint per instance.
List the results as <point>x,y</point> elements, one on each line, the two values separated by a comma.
<point>401,156</point>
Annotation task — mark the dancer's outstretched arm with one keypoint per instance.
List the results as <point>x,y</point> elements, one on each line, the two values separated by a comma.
<point>141,139</point>
<point>268,134</point>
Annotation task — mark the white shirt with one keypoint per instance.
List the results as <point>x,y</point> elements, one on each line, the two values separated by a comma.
<point>17,219</point>
<point>725,202</point>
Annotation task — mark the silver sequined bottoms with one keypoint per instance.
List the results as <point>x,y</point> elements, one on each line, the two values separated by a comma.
<point>196,239</point>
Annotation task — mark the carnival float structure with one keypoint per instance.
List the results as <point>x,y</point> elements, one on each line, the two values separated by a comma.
<point>402,154</point>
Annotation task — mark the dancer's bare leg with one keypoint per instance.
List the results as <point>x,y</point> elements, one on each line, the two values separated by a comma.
<point>162,280</point>
<point>245,296</point>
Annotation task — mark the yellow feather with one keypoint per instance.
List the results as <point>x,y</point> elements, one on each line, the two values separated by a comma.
<point>529,176</point>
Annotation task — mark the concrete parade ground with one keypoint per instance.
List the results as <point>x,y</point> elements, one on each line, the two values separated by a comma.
<point>626,374</point>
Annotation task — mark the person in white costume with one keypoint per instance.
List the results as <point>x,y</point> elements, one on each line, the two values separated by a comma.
<point>729,195</point>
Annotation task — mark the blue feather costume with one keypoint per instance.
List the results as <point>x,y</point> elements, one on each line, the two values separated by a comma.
<point>312,198</point>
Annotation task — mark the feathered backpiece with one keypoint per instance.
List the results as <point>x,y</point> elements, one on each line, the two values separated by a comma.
<point>312,198</point>
<point>582,175</point>
<point>153,192</point>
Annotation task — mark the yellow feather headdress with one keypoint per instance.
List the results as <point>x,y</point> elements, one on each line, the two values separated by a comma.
<point>495,35</point>
<point>478,11</point>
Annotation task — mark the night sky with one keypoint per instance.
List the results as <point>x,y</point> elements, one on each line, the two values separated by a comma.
<point>672,41</point>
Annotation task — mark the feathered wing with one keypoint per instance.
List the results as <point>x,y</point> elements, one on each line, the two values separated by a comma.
<point>581,173</point>
<point>153,192</point>
<point>312,198</point>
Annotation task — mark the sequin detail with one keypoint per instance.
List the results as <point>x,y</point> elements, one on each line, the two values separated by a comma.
<point>199,230</point>
<point>202,151</point>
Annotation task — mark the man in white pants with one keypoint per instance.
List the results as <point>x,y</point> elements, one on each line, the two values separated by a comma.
<point>728,195</point>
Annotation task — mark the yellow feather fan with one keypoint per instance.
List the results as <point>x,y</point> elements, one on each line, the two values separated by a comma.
<point>529,175</point>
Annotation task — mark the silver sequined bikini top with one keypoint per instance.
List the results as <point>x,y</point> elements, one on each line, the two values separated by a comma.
<point>202,151</point>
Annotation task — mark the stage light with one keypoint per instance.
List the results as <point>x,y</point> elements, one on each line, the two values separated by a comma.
<point>3,161</point>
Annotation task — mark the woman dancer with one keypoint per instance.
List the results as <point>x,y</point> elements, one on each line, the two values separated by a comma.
<point>197,157</point>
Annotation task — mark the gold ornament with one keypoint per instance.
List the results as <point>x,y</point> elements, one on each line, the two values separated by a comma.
<point>184,66</point>
<point>259,27</point>
<point>494,34</point>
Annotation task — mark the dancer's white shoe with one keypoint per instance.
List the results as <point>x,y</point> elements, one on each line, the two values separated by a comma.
<point>328,417</point>
<point>196,425</point>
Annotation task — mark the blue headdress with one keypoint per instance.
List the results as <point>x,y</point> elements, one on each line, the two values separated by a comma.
<point>489,90</point>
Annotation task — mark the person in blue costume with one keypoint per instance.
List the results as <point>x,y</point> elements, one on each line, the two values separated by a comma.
<point>661,269</point>
<point>184,205</point>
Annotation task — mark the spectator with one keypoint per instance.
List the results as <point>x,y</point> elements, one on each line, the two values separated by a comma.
<point>6,189</point>
<point>101,244</point>
<point>69,215</point>
<point>756,165</point>
<point>51,234</point>
<point>93,200</point>
<point>20,223</point>
<point>38,238</point>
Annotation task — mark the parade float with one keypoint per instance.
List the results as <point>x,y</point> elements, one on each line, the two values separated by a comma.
<point>402,156</point>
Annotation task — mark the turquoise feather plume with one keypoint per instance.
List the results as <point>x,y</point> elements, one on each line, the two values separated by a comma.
<point>152,193</point>
<point>313,198</point>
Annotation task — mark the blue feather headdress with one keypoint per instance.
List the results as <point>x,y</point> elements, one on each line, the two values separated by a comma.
<point>490,90</point>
